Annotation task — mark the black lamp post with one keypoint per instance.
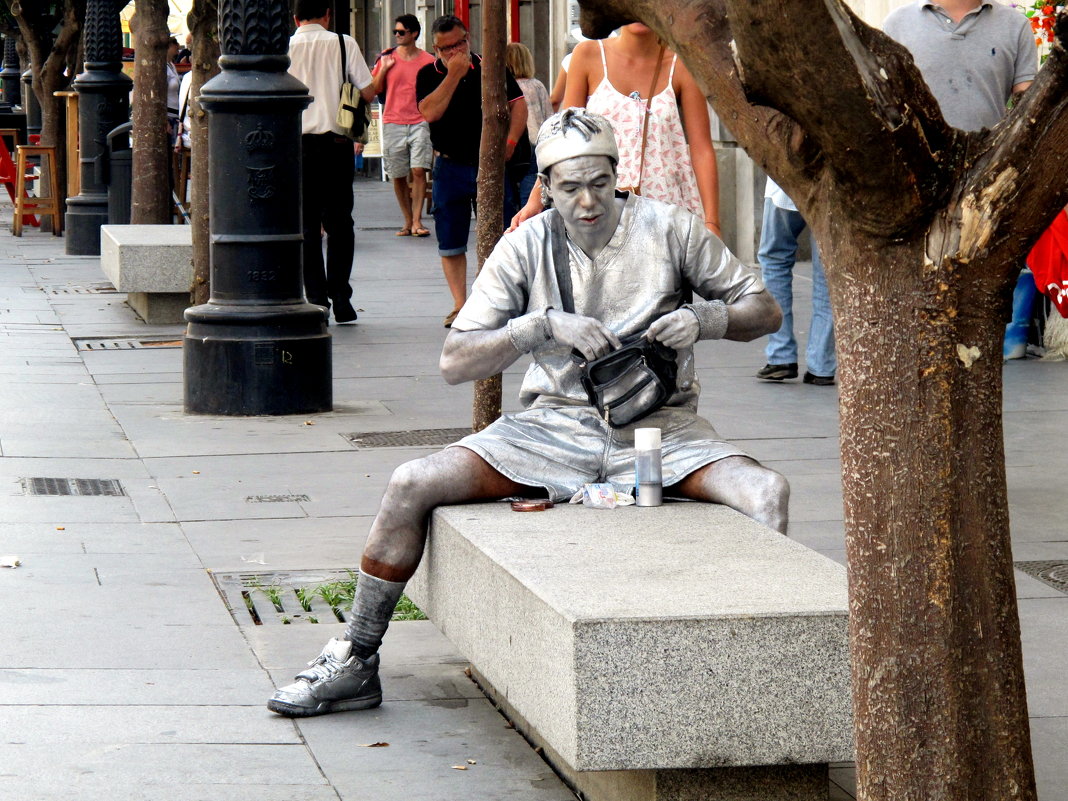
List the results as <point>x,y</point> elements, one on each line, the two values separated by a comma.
<point>30,105</point>
<point>256,347</point>
<point>103,103</point>
<point>11,75</point>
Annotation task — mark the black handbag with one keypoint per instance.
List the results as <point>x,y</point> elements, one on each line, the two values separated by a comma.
<point>629,383</point>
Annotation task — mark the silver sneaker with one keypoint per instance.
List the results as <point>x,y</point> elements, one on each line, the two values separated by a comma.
<point>336,681</point>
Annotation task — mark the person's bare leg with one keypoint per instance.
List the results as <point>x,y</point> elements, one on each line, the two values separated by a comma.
<point>455,269</point>
<point>345,675</point>
<point>743,484</point>
<point>403,193</point>
<point>418,196</point>
<point>398,534</point>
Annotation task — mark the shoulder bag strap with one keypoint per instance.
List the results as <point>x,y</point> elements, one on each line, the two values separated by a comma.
<point>561,261</point>
<point>648,108</point>
<point>344,60</point>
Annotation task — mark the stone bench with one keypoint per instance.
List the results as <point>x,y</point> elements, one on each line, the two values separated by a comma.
<point>684,652</point>
<point>153,264</point>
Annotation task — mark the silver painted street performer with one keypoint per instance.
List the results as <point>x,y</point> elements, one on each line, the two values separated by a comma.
<point>632,263</point>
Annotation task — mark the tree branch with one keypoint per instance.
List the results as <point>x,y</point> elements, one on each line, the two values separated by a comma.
<point>857,93</point>
<point>1022,166</point>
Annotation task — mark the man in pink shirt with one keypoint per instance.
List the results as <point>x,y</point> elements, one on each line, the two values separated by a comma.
<point>405,134</point>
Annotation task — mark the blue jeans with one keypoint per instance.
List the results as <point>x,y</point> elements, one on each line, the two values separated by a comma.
<point>454,192</point>
<point>778,251</point>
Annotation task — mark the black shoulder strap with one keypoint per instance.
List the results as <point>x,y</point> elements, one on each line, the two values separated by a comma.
<point>344,60</point>
<point>561,261</point>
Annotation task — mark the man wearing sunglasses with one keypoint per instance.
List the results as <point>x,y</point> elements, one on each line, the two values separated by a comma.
<point>450,98</point>
<point>405,134</point>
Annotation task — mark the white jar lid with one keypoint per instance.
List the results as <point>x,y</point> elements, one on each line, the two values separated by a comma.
<point>646,439</point>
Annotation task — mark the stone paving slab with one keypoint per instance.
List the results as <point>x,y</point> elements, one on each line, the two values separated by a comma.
<point>235,546</point>
<point>125,687</point>
<point>145,646</point>
<point>111,767</point>
<point>418,767</point>
<point>86,790</point>
<point>46,538</point>
<point>1044,632</point>
<point>144,725</point>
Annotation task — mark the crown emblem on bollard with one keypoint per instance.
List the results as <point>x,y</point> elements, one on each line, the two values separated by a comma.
<point>259,140</point>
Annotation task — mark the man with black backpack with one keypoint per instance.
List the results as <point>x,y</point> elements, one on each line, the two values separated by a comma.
<point>316,57</point>
<point>405,134</point>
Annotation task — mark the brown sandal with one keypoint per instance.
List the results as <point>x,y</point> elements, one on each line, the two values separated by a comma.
<point>404,232</point>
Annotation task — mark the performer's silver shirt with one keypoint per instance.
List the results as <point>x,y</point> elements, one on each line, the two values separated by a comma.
<point>656,252</point>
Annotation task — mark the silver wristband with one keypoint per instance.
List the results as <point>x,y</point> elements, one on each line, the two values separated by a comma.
<point>531,331</point>
<point>711,317</point>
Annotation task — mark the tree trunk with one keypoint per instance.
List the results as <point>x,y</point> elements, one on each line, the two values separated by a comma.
<point>938,674</point>
<point>50,55</point>
<point>151,190</point>
<point>489,226</point>
<point>203,21</point>
<point>922,229</point>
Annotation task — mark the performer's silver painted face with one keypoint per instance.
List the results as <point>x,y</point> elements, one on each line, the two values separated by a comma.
<point>583,191</point>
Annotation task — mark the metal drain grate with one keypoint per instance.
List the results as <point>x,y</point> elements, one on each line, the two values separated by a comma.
<point>1055,574</point>
<point>119,343</point>
<point>91,289</point>
<point>295,596</point>
<point>72,486</point>
<point>277,499</point>
<point>420,437</point>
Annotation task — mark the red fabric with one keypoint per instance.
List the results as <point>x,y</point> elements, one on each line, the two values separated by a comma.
<point>1049,262</point>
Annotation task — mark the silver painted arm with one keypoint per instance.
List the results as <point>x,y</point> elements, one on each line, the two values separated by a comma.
<point>753,316</point>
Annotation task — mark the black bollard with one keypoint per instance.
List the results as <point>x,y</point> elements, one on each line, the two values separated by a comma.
<point>103,103</point>
<point>11,75</point>
<point>256,347</point>
<point>30,105</point>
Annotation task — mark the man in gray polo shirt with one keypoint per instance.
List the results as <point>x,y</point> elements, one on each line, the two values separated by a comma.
<point>974,55</point>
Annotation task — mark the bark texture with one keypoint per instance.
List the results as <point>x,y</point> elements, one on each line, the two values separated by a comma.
<point>151,190</point>
<point>203,22</point>
<point>489,225</point>
<point>53,63</point>
<point>922,230</point>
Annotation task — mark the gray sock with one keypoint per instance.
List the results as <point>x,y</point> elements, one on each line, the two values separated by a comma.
<point>372,608</point>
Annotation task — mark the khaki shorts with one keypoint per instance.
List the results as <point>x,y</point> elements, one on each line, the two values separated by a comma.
<point>562,448</point>
<point>405,147</point>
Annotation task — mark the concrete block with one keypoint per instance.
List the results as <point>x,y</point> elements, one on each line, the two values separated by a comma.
<point>686,636</point>
<point>154,264</point>
<point>159,308</point>
<point>741,193</point>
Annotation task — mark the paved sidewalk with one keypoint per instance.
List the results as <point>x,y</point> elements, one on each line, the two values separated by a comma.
<point>123,674</point>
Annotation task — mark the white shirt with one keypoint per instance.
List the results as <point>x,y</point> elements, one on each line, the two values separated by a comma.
<point>315,57</point>
<point>779,199</point>
<point>183,105</point>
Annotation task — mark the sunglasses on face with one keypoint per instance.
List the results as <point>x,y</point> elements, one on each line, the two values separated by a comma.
<point>452,47</point>
<point>401,32</point>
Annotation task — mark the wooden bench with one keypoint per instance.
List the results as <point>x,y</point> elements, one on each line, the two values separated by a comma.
<point>680,652</point>
<point>153,264</point>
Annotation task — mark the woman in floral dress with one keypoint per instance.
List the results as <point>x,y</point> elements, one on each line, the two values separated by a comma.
<point>612,78</point>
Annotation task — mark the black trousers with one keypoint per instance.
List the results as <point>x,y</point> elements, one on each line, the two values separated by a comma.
<point>328,172</point>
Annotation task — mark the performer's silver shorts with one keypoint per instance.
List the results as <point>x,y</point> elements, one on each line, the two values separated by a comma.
<point>405,147</point>
<point>562,448</point>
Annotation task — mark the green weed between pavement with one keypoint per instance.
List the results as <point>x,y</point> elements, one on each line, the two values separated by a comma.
<point>335,594</point>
